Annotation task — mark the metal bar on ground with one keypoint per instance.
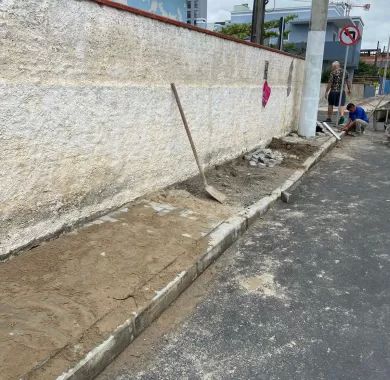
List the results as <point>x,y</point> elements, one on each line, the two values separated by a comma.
<point>327,126</point>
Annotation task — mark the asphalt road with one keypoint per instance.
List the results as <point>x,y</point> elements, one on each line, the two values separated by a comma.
<point>305,294</point>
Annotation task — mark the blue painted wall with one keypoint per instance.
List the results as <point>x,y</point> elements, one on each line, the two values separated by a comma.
<point>302,13</point>
<point>387,86</point>
<point>176,9</point>
<point>369,91</point>
<point>241,18</point>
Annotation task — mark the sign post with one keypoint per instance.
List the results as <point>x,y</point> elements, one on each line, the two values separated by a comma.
<point>385,71</point>
<point>349,35</point>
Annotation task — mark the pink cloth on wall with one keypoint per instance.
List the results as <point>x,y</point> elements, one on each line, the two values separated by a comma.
<point>266,93</point>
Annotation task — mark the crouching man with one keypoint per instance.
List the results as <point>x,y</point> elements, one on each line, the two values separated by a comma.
<point>358,119</point>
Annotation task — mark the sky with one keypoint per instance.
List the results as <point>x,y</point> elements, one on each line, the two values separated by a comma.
<point>376,20</point>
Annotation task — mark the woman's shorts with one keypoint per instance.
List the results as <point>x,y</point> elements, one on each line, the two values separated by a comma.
<point>334,98</point>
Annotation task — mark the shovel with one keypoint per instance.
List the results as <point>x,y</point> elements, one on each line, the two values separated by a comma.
<point>210,190</point>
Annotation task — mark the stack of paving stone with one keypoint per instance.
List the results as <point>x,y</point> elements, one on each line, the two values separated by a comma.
<point>265,158</point>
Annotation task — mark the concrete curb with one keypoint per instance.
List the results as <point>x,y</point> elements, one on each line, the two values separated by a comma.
<point>220,239</point>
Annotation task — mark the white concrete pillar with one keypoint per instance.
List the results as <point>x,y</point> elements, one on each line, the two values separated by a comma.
<point>313,68</point>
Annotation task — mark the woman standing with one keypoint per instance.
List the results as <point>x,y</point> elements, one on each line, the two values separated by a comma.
<point>333,91</point>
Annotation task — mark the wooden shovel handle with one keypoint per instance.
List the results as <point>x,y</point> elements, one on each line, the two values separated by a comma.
<point>188,133</point>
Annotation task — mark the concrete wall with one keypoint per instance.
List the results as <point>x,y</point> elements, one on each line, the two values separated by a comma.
<point>88,120</point>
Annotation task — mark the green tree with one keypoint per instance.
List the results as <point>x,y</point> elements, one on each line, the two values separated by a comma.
<point>382,72</point>
<point>325,76</point>
<point>364,69</point>
<point>271,28</point>
<point>243,31</point>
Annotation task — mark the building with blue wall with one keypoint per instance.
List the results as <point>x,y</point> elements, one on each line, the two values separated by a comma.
<point>176,9</point>
<point>242,14</point>
<point>299,28</point>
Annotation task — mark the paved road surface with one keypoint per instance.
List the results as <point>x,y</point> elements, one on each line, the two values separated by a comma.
<point>305,294</point>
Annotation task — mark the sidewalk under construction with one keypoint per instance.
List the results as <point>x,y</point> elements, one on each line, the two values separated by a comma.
<point>65,296</point>
<point>103,221</point>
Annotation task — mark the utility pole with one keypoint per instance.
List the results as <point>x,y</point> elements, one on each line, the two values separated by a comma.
<point>313,68</point>
<point>385,70</point>
<point>282,27</point>
<point>258,21</point>
<point>376,55</point>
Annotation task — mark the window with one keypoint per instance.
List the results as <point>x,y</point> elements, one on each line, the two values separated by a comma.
<point>189,4</point>
<point>188,14</point>
<point>196,13</point>
<point>196,4</point>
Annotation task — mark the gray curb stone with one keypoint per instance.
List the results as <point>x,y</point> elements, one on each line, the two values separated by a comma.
<point>220,239</point>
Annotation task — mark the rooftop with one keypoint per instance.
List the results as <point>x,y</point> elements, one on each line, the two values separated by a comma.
<point>245,8</point>
<point>338,21</point>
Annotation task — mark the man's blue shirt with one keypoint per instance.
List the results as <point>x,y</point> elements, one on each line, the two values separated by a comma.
<point>358,114</point>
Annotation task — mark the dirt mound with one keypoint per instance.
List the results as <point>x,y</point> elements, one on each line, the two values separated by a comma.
<point>244,183</point>
<point>299,149</point>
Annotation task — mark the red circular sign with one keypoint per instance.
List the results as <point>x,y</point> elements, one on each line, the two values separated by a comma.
<point>349,35</point>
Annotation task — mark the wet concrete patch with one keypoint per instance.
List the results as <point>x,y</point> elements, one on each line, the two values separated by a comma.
<point>264,285</point>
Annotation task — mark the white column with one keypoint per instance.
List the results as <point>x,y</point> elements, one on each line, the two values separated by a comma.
<point>313,68</point>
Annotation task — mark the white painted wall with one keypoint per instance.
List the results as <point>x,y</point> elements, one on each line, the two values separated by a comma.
<point>88,121</point>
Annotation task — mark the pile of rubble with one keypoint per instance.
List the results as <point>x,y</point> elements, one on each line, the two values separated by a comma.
<point>265,158</point>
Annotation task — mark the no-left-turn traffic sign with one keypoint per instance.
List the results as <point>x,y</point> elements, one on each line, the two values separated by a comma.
<point>349,35</point>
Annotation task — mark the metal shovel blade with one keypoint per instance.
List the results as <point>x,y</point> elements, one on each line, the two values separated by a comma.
<point>214,193</point>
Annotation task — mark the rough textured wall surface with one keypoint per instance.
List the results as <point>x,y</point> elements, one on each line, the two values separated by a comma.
<point>88,121</point>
